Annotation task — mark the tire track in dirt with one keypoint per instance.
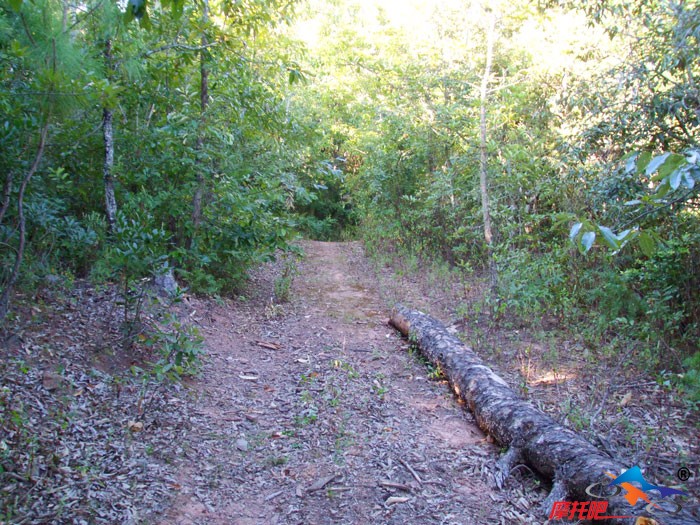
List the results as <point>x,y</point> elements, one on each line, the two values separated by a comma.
<point>315,412</point>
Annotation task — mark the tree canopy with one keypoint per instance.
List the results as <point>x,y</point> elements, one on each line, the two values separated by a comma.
<point>235,126</point>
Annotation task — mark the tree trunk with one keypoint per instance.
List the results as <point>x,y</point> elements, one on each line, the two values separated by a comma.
<point>483,157</point>
<point>108,134</point>
<point>554,451</point>
<point>203,104</point>
<point>19,254</point>
<point>483,160</point>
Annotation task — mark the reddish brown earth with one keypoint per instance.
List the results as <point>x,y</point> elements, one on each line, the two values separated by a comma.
<point>315,412</point>
<point>309,412</point>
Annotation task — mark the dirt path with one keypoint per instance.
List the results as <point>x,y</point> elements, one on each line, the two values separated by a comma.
<point>315,412</point>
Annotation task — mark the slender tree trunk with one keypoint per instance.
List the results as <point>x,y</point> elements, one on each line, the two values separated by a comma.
<point>203,104</point>
<point>110,199</point>
<point>19,255</point>
<point>483,164</point>
<point>6,193</point>
<point>108,134</point>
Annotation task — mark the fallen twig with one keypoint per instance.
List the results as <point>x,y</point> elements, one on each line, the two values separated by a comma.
<point>393,485</point>
<point>413,472</point>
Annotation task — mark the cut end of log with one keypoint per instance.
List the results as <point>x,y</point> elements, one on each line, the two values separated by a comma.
<point>399,322</point>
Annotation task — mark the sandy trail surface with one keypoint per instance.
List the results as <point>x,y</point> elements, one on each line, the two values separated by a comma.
<point>315,411</point>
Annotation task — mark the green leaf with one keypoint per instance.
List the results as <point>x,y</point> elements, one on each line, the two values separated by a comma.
<point>673,162</point>
<point>128,15</point>
<point>688,180</point>
<point>560,218</point>
<point>145,20</point>
<point>631,163</point>
<point>16,5</point>
<point>623,235</point>
<point>643,161</point>
<point>609,237</point>
<point>175,6</point>
<point>675,179</point>
<point>178,8</point>
<point>647,244</point>
<point>656,163</point>
<point>295,75</point>
<point>663,189</point>
<point>574,230</point>
<point>587,240</point>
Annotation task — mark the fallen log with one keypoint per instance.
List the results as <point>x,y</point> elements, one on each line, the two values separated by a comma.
<point>554,451</point>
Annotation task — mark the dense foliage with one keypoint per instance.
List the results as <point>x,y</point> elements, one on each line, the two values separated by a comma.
<point>592,119</point>
<point>236,124</point>
<point>65,66</point>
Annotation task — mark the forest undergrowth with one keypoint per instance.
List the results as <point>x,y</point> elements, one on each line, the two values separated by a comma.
<point>532,169</point>
<point>600,387</point>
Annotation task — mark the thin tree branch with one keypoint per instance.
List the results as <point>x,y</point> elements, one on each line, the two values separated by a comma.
<point>26,29</point>
<point>9,246</point>
<point>87,14</point>
<point>654,209</point>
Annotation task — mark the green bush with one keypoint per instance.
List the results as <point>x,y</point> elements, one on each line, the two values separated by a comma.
<point>690,380</point>
<point>532,284</point>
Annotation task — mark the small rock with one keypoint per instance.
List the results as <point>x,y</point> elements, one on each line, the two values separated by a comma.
<point>165,282</point>
<point>242,445</point>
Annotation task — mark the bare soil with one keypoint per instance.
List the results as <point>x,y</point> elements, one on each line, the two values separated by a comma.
<point>313,411</point>
<point>317,412</point>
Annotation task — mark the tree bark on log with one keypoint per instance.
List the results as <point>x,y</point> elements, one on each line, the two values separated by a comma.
<point>555,452</point>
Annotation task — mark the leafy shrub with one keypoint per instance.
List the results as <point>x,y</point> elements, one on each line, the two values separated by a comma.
<point>533,285</point>
<point>57,241</point>
<point>134,251</point>
<point>324,229</point>
<point>667,284</point>
<point>283,283</point>
<point>690,381</point>
<point>180,349</point>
